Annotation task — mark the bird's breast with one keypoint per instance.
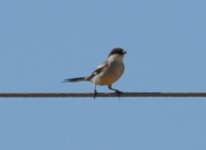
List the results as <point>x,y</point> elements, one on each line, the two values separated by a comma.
<point>110,75</point>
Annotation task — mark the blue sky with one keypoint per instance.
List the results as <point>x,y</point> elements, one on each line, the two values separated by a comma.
<point>46,41</point>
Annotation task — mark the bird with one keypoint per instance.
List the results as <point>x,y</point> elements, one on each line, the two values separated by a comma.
<point>107,73</point>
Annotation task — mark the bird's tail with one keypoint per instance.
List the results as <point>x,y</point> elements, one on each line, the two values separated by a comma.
<point>75,79</point>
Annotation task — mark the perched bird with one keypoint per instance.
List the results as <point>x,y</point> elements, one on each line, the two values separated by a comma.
<point>107,73</point>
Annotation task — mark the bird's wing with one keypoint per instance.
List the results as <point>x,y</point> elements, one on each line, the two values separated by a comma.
<point>98,70</point>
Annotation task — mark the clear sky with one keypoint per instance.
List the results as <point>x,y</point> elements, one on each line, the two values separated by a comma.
<point>46,41</point>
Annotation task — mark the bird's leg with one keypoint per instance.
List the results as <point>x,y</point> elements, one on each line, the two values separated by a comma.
<point>117,91</point>
<point>95,91</point>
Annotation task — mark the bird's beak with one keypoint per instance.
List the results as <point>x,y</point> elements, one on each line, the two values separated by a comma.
<point>125,52</point>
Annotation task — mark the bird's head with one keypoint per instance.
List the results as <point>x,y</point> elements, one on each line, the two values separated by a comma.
<point>117,51</point>
<point>117,54</point>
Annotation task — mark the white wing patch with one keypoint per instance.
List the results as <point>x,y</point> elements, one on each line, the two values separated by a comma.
<point>98,70</point>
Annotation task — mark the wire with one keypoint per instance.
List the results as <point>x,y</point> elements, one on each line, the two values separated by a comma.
<point>125,94</point>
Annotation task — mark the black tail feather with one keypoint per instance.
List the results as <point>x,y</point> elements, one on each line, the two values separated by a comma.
<point>75,79</point>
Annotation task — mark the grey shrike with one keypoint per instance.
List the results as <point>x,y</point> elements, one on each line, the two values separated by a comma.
<point>107,73</point>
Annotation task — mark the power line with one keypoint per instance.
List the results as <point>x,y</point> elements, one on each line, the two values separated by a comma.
<point>125,94</point>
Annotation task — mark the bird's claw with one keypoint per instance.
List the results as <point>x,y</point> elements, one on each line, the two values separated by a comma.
<point>95,94</point>
<point>119,93</point>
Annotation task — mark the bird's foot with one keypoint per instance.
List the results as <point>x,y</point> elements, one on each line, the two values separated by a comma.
<point>95,94</point>
<point>119,93</point>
